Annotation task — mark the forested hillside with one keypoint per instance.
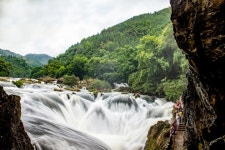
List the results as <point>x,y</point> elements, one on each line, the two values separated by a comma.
<point>8,53</point>
<point>35,60</point>
<point>140,51</point>
<point>16,65</point>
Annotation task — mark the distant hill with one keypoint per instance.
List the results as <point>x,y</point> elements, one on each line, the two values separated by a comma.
<point>37,59</point>
<point>9,53</point>
<point>33,60</point>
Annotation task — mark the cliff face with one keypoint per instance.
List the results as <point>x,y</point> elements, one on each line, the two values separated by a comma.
<point>199,29</point>
<point>12,133</point>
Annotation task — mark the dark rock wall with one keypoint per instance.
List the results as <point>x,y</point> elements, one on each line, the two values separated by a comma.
<point>199,29</point>
<point>12,133</point>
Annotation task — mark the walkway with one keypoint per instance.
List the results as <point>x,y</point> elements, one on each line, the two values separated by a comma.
<point>179,138</point>
<point>177,141</point>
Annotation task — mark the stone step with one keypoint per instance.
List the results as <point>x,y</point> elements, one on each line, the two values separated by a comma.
<point>181,130</point>
<point>181,127</point>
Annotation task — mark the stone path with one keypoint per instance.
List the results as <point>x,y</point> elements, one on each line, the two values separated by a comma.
<point>179,138</point>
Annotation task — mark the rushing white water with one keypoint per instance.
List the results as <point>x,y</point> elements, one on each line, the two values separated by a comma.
<point>67,120</point>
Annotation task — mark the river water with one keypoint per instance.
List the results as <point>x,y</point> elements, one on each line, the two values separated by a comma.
<point>78,121</point>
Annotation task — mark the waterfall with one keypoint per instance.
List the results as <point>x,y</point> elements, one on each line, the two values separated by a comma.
<point>67,120</point>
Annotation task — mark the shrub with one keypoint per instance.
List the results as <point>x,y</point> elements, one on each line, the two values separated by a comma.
<point>70,80</point>
<point>100,85</point>
<point>18,83</point>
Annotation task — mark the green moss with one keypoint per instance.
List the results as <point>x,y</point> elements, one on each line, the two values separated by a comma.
<point>158,136</point>
<point>149,144</point>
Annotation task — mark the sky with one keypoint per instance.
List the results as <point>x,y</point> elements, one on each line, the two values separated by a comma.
<point>52,26</point>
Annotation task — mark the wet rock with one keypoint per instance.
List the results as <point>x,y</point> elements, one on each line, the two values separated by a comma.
<point>12,133</point>
<point>158,136</point>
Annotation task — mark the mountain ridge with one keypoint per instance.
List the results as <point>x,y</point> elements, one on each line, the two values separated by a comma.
<point>9,53</point>
<point>33,60</point>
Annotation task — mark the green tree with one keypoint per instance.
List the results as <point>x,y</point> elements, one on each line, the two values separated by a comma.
<point>173,88</point>
<point>53,68</point>
<point>93,64</point>
<point>37,72</point>
<point>151,65</point>
<point>79,66</point>
<point>125,62</point>
<point>4,68</point>
<point>19,67</point>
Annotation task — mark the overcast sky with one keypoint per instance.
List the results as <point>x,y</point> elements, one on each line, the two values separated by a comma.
<point>52,26</point>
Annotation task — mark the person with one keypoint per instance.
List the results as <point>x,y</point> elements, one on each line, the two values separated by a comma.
<point>175,125</point>
<point>180,116</point>
<point>181,103</point>
<point>177,118</point>
<point>177,105</point>
<point>173,132</point>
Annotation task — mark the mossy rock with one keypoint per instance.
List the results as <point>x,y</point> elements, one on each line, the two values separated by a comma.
<point>158,136</point>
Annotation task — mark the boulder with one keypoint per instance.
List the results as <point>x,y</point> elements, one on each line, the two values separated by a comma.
<point>12,133</point>
<point>158,136</point>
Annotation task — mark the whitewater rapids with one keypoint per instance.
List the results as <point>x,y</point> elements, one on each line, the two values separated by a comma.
<point>78,121</point>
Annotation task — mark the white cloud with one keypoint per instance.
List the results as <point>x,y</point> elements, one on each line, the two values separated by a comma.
<point>51,26</point>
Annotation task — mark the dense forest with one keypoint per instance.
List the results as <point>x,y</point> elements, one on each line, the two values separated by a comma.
<point>15,65</point>
<point>140,51</point>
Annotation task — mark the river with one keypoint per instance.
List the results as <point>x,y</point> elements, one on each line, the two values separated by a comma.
<point>70,120</point>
